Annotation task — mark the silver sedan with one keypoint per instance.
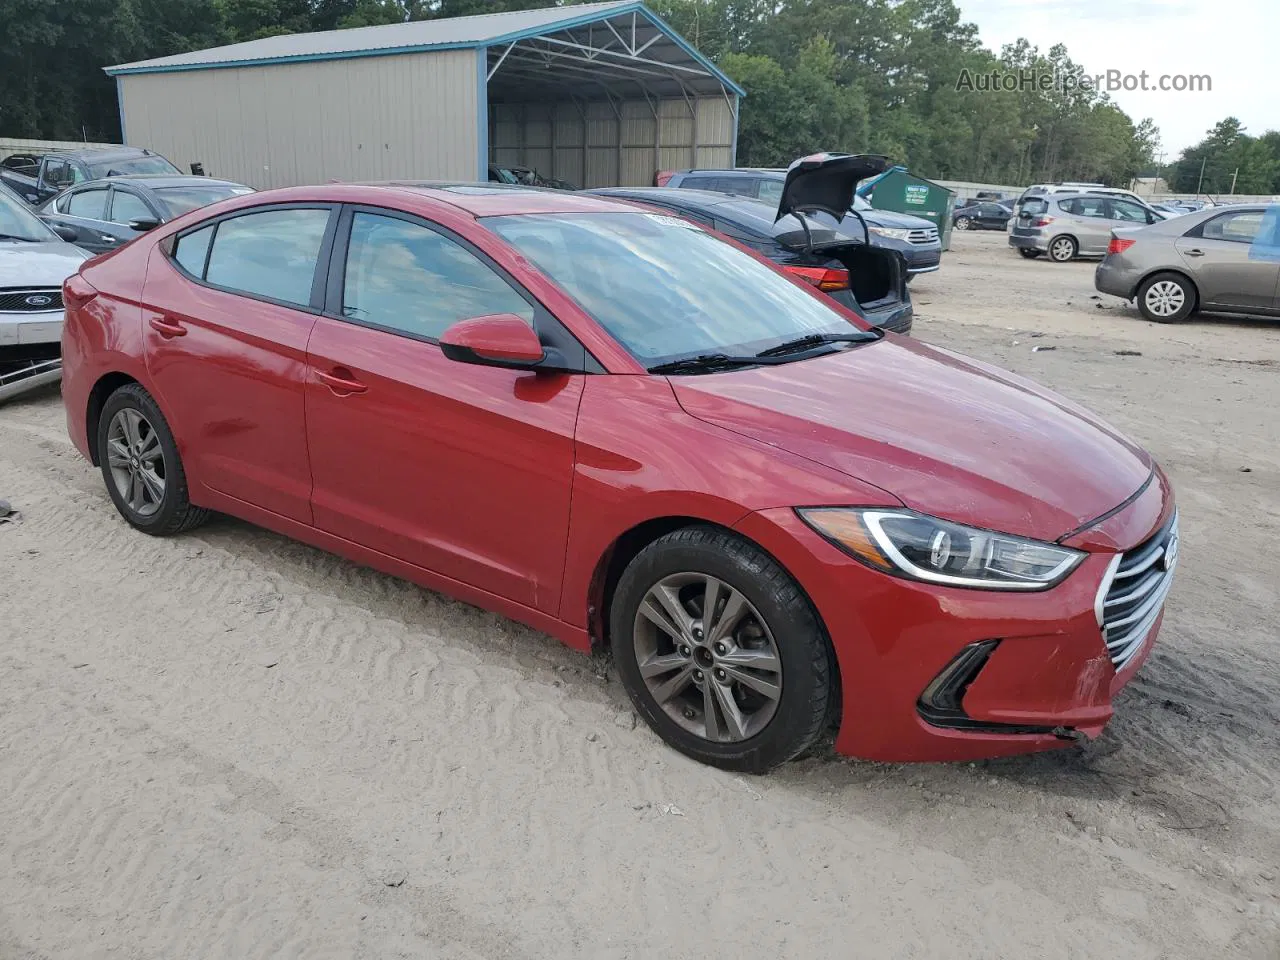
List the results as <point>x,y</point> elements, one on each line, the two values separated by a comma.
<point>1217,260</point>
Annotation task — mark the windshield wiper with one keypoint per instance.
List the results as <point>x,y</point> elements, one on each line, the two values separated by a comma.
<point>818,339</point>
<point>704,363</point>
<point>14,236</point>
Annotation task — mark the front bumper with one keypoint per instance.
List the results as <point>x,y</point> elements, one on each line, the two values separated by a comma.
<point>1045,678</point>
<point>30,336</point>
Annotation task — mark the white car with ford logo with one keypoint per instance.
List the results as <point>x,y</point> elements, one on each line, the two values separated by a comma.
<point>34,260</point>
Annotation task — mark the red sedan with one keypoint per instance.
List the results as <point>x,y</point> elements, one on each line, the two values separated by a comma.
<point>631,433</point>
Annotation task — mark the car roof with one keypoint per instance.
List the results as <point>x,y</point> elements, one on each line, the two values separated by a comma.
<point>103,153</point>
<point>479,199</point>
<point>689,198</point>
<point>162,180</point>
<point>770,172</point>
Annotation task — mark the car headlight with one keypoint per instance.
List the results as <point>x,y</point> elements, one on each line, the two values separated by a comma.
<point>909,544</point>
<point>891,233</point>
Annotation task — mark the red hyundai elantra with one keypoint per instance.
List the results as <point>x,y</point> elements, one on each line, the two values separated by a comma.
<point>631,433</point>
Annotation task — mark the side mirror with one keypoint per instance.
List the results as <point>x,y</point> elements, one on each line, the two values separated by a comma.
<point>143,224</point>
<point>502,340</point>
<point>68,234</point>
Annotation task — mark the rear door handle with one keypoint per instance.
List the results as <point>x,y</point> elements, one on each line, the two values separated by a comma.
<point>341,381</point>
<point>167,327</point>
<point>1195,252</point>
<point>107,238</point>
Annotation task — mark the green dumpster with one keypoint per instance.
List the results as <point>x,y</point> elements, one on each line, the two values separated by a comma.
<point>901,191</point>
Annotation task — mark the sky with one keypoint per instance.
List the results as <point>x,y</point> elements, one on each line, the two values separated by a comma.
<point>1233,41</point>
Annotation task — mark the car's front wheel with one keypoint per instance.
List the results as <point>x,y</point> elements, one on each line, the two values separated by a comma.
<point>141,466</point>
<point>1062,249</point>
<point>720,650</point>
<point>1166,298</point>
<point>963,223</point>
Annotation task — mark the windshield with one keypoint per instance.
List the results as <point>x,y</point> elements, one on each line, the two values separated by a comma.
<point>123,165</point>
<point>180,200</point>
<point>666,289</point>
<point>17,222</point>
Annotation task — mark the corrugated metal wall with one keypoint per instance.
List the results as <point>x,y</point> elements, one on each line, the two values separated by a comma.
<point>369,118</point>
<point>601,144</point>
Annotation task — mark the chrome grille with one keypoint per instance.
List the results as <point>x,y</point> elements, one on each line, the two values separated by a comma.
<point>923,236</point>
<point>17,299</point>
<point>1133,593</point>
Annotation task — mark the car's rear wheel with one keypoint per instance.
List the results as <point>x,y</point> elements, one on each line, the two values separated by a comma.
<point>1166,298</point>
<point>141,466</point>
<point>720,650</point>
<point>963,223</point>
<point>1062,249</point>
<point>1028,253</point>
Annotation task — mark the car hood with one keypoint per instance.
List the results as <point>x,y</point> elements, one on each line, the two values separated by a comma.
<point>946,435</point>
<point>825,182</point>
<point>900,221</point>
<point>43,264</point>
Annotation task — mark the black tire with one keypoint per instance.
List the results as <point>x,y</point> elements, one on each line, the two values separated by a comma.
<point>808,671</point>
<point>1063,249</point>
<point>175,513</point>
<point>1153,307</point>
<point>963,223</point>
<point>1028,253</point>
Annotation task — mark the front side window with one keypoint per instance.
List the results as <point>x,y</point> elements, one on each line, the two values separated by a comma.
<point>17,222</point>
<point>57,173</point>
<point>1128,211</point>
<point>271,254</point>
<point>88,204</point>
<point>666,289</point>
<point>405,277</point>
<point>129,206</point>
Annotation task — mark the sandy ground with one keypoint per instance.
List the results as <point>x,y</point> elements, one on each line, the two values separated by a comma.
<point>230,745</point>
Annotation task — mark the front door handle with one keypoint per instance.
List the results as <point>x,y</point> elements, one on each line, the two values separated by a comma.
<point>107,238</point>
<point>167,327</point>
<point>1195,252</point>
<point>341,381</point>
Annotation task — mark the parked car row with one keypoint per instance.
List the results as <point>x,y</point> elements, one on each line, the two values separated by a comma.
<point>782,516</point>
<point>915,238</point>
<point>37,177</point>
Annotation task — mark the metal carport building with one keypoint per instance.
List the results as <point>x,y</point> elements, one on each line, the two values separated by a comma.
<point>596,94</point>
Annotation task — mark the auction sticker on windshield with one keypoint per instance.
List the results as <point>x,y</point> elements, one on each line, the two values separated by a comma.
<point>670,221</point>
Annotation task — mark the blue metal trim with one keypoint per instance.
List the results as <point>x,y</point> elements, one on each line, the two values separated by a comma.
<point>120,108</point>
<point>482,111</point>
<point>599,15</point>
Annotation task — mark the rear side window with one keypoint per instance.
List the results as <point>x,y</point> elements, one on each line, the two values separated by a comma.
<point>272,254</point>
<point>191,249</point>
<point>89,204</point>
<point>407,278</point>
<point>771,191</point>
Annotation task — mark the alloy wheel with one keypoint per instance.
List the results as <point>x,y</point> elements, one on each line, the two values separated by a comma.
<point>1165,298</point>
<point>136,461</point>
<point>707,657</point>
<point>1062,250</point>
<point>962,223</point>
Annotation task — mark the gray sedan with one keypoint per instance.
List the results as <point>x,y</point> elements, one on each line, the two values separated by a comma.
<point>1219,260</point>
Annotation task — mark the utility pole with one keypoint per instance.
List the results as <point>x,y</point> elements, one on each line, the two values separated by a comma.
<point>1233,179</point>
<point>1201,181</point>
